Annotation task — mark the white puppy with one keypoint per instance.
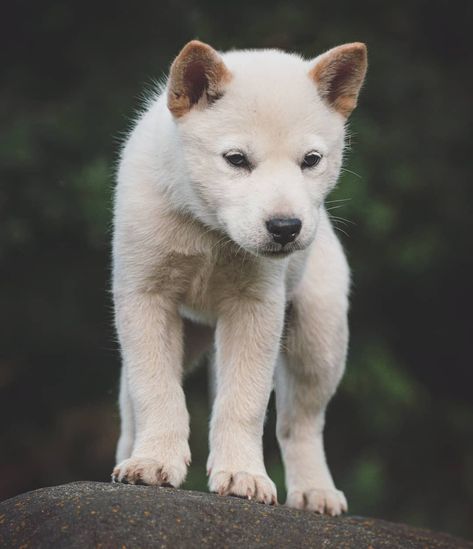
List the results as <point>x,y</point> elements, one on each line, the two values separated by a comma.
<point>222,243</point>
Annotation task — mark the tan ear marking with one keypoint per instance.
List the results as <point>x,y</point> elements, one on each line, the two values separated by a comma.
<point>339,74</point>
<point>198,70</point>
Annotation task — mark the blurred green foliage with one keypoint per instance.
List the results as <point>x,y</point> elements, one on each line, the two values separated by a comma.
<point>399,432</point>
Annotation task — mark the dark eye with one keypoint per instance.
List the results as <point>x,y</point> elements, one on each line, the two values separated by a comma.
<point>237,159</point>
<point>311,159</point>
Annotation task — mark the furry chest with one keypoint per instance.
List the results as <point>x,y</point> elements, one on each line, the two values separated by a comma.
<point>198,295</point>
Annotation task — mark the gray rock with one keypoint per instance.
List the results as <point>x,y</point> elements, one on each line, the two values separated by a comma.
<point>91,514</point>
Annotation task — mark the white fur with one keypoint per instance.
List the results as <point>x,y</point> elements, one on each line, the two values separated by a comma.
<point>188,232</point>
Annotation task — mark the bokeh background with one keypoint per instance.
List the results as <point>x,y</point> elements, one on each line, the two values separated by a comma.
<point>400,430</point>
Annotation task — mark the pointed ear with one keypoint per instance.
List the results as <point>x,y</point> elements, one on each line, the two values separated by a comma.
<point>339,74</point>
<point>196,72</point>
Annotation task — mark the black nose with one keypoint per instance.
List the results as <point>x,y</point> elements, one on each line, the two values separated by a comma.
<point>284,229</point>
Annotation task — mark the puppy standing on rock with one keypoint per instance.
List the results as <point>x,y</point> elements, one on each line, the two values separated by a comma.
<point>222,243</point>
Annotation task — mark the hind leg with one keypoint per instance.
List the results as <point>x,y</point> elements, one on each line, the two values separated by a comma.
<point>198,342</point>
<point>127,433</point>
<point>307,375</point>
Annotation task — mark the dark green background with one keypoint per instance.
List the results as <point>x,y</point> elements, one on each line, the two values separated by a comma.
<point>400,431</point>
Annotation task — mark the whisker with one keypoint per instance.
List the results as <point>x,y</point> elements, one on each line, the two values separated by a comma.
<point>341,219</point>
<point>337,200</point>
<point>341,230</point>
<point>350,171</point>
<point>335,207</point>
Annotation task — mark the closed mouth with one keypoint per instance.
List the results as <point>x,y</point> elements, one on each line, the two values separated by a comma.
<point>272,253</point>
<point>284,251</point>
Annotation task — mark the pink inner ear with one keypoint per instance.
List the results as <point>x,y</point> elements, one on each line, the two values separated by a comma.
<point>196,80</point>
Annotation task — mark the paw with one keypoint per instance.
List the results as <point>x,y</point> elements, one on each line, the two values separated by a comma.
<point>330,502</point>
<point>149,471</point>
<point>259,488</point>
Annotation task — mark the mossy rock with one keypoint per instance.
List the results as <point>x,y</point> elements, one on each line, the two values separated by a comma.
<point>99,515</point>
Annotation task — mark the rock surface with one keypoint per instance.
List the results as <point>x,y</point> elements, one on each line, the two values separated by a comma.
<point>99,515</point>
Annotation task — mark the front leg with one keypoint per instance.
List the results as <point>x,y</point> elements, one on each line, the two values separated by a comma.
<point>247,342</point>
<point>150,332</point>
<point>307,376</point>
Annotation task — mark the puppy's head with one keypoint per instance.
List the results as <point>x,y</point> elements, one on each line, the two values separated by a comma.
<point>262,137</point>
